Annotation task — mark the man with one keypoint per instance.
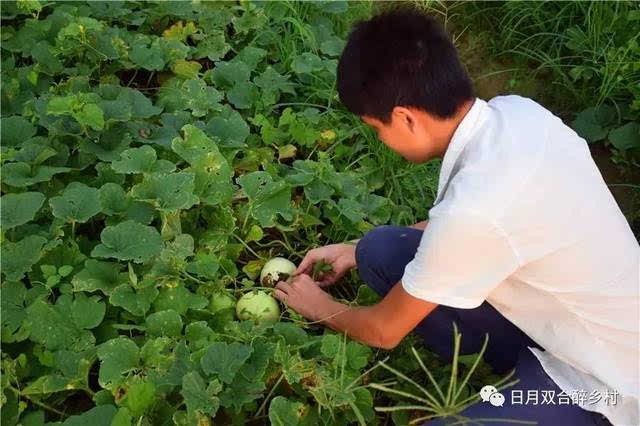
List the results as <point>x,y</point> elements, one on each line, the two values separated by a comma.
<point>524,241</point>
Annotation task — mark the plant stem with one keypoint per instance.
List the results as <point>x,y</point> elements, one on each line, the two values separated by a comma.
<point>264,403</point>
<point>38,403</point>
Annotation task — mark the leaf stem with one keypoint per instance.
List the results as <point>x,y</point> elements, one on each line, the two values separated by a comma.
<point>38,403</point>
<point>273,388</point>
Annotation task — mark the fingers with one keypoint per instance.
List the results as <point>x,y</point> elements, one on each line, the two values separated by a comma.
<point>283,287</point>
<point>306,263</point>
<point>280,295</point>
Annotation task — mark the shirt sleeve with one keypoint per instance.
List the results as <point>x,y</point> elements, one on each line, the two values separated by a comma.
<point>461,258</point>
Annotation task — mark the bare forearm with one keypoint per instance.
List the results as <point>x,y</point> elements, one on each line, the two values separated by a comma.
<point>358,322</point>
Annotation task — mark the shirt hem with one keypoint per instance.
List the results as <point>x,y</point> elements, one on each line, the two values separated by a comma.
<point>441,299</point>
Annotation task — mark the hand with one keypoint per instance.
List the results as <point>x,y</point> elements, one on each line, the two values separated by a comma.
<point>341,257</point>
<point>304,296</point>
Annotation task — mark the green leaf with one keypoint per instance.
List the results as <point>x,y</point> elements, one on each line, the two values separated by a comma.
<point>186,69</point>
<point>214,46</point>
<point>167,192</point>
<point>332,46</point>
<point>357,355</point>
<point>306,63</point>
<point>255,234</point>
<point>200,399</point>
<point>54,327</point>
<point>272,80</point>
<point>194,146</point>
<point>269,198</point>
<point>18,258</point>
<point>227,74</point>
<point>118,357</point>
<point>145,55</point>
<point>194,95</point>
<point>331,344</point>
<point>351,209</point>
<point>292,334</point>
<point>141,106</point>
<point>592,123</point>
<point>625,137</point>
<point>243,95</point>
<point>122,418</point>
<point>285,412</point>
<point>229,127</point>
<point>18,209</point>
<point>78,203</point>
<point>15,130</point>
<point>180,299</point>
<point>250,56</point>
<point>90,115</point>
<point>212,171</point>
<point>224,360</point>
<point>87,312</point>
<point>22,174</point>
<point>137,301</point>
<point>112,142</point>
<point>113,199</point>
<point>12,302</point>
<point>129,240</point>
<point>164,323</point>
<point>98,275</point>
<point>139,397</point>
<point>102,415</point>
<point>142,160</point>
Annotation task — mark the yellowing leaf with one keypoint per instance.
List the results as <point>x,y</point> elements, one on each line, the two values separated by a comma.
<point>186,69</point>
<point>179,31</point>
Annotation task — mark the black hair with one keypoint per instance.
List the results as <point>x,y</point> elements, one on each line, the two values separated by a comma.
<point>401,57</point>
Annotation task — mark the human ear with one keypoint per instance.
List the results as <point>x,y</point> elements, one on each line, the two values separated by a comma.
<point>405,116</point>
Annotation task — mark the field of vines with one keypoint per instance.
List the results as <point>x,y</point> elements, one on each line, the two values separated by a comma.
<point>154,156</point>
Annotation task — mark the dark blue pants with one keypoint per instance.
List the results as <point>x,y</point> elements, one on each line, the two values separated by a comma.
<point>381,257</point>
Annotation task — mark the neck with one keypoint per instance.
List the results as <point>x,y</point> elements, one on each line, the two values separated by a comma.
<point>449,127</point>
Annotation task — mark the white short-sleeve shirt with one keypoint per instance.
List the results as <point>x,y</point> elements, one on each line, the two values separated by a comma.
<point>524,220</point>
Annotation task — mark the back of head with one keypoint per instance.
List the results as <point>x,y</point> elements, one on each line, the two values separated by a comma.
<point>402,57</point>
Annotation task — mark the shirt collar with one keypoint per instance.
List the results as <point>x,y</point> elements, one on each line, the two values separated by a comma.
<point>463,134</point>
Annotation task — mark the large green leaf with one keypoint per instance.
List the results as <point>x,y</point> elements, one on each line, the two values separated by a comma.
<point>129,240</point>
<point>592,123</point>
<point>224,360</point>
<point>15,130</point>
<point>167,192</point>
<point>101,415</point>
<point>18,258</point>
<point>212,171</point>
<point>201,400</point>
<point>626,136</point>
<point>18,209</point>
<point>118,356</point>
<point>98,275</point>
<point>12,302</point>
<point>140,397</point>
<point>55,326</point>
<point>78,203</point>
<point>164,323</point>
<point>22,174</point>
<point>179,299</point>
<point>269,198</point>
<point>134,301</point>
<point>142,160</point>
